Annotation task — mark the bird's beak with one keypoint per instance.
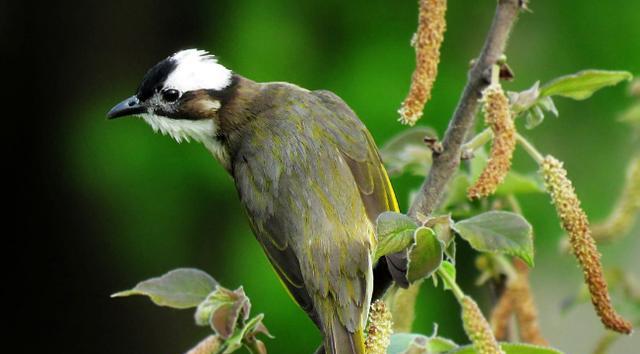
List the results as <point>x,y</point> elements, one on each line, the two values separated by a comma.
<point>130,106</point>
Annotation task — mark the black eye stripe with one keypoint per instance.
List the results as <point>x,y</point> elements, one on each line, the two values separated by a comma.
<point>170,95</point>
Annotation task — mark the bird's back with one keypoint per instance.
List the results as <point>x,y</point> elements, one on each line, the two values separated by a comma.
<point>311,180</point>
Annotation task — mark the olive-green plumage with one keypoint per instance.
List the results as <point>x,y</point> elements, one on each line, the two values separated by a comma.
<point>310,178</point>
<point>308,174</point>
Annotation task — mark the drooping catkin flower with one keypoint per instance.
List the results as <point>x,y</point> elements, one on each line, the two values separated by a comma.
<point>478,329</point>
<point>501,315</point>
<point>517,299</point>
<point>575,223</point>
<point>426,41</point>
<point>379,329</point>
<point>498,118</point>
<point>626,210</point>
<point>525,307</point>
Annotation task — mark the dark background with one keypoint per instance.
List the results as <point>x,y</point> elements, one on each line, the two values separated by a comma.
<point>101,205</point>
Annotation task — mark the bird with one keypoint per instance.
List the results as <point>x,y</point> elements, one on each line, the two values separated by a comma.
<point>308,174</point>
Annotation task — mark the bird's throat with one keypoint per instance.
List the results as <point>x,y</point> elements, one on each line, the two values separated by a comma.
<point>203,131</point>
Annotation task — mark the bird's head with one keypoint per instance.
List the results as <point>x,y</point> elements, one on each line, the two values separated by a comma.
<point>181,96</point>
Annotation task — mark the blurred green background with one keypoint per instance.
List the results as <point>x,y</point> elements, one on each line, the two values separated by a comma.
<point>117,204</point>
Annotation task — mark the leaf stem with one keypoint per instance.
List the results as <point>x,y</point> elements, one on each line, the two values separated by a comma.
<point>479,140</point>
<point>495,74</point>
<point>530,149</point>
<point>457,292</point>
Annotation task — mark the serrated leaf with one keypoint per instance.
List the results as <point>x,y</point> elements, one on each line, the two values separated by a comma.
<point>180,288</point>
<point>498,231</point>
<point>510,348</point>
<point>425,255</point>
<point>583,84</point>
<point>395,233</point>
<point>407,152</point>
<point>516,183</point>
<point>413,343</point>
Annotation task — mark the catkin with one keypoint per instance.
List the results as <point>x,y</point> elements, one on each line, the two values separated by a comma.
<point>498,118</point>
<point>501,314</point>
<point>518,299</point>
<point>626,211</point>
<point>426,41</point>
<point>478,329</point>
<point>379,329</point>
<point>525,307</point>
<point>575,223</point>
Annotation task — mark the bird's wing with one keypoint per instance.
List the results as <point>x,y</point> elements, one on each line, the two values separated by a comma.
<point>360,152</point>
<point>295,175</point>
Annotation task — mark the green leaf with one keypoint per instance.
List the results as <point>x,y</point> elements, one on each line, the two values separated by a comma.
<point>440,345</point>
<point>180,288</point>
<point>450,270</point>
<point>534,117</point>
<point>522,101</point>
<point>516,183</point>
<point>510,348</point>
<point>425,255</point>
<point>395,233</point>
<point>450,251</point>
<point>498,231</point>
<point>548,105</point>
<point>412,343</point>
<point>407,152</point>
<point>447,237</point>
<point>583,84</point>
<point>248,332</point>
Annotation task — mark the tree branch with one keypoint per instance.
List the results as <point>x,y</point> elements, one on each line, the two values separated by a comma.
<point>446,164</point>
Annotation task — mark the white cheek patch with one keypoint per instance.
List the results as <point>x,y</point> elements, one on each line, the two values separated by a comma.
<point>197,70</point>
<point>203,131</point>
<point>182,129</point>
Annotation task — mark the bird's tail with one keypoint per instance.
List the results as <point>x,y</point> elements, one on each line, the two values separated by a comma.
<point>339,340</point>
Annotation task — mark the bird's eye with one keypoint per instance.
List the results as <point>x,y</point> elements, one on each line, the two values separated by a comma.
<point>170,95</point>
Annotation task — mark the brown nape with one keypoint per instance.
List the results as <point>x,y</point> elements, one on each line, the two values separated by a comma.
<point>238,104</point>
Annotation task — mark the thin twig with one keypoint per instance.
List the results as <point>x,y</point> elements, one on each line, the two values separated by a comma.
<point>446,164</point>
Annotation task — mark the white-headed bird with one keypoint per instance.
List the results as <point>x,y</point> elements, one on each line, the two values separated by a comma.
<point>308,174</point>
